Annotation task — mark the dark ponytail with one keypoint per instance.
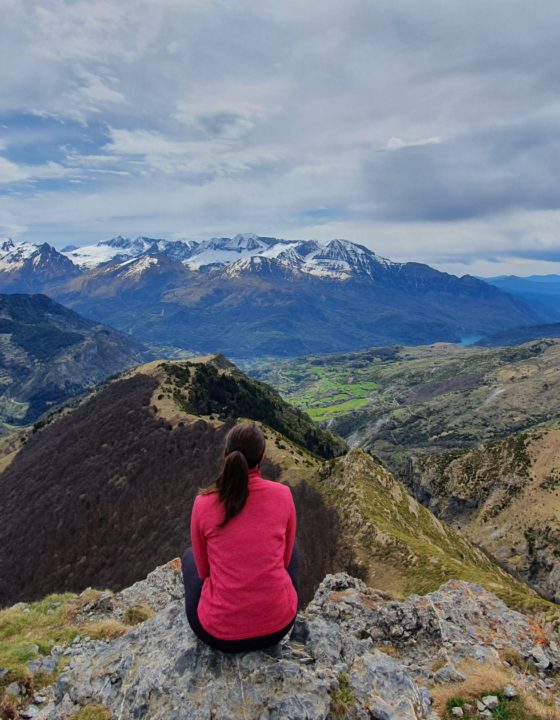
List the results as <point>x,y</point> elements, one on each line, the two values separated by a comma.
<point>245,446</point>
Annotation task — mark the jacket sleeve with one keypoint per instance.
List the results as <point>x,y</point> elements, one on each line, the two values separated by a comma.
<point>290,531</point>
<point>198,540</point>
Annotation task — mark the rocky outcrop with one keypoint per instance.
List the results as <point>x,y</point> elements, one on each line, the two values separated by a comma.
<point>503,496</point>
<point>159,670</point>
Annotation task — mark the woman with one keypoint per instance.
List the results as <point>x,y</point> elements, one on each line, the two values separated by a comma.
<point>241,573</point>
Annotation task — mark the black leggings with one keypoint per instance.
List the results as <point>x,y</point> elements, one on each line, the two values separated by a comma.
<point>193,589</point>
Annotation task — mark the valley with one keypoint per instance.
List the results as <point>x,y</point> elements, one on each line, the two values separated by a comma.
<point>401,402</point>
<point>503,496</point>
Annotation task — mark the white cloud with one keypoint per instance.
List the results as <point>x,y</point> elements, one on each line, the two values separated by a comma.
<point>12,172</point>
<point>397,144</point>
<point>210,116</point>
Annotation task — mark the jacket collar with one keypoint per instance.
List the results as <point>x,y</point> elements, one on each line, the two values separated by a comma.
<point>254,474</point>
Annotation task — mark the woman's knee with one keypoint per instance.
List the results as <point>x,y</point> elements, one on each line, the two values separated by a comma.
<point>187,559</point>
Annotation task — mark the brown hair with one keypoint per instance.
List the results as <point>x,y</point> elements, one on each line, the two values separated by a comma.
<point>245,446</point>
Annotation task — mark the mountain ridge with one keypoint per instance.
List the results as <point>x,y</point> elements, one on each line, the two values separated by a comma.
<point>49,353</point>
<point>256,296</point>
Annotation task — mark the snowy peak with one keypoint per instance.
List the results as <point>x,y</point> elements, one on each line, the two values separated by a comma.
<point>6,244</point>
<point>28,267</point>
<point>123,249</point>
<point>336,259</point>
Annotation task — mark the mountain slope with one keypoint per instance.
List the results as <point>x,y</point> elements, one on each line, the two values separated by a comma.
<point>520,335</point>
<point>49,353</point>
<point>402,402</point>
<point>504,497</point>
<point>542,293</point>
<point>256,296</point>
<point>115,496</point>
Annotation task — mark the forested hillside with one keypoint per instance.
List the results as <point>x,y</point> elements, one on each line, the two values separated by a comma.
<point>49,353</point>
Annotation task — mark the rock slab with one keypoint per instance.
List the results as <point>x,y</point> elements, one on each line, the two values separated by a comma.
<point>160,671</point>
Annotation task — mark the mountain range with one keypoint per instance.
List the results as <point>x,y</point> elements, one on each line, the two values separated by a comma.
<point>254,296</point>
<point>541,292</point>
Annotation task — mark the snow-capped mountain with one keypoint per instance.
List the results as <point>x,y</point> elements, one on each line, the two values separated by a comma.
<point>250,295</point>
<point>337,258</point>
<point>27,267</point>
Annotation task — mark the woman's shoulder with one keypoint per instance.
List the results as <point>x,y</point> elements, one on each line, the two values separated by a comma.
<point>276,488</point>
<point>202,502</point>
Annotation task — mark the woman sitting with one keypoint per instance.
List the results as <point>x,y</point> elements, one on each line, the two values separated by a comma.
<point>240,575</point>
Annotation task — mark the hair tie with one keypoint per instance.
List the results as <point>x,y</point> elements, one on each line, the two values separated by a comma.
<point>237,449</point>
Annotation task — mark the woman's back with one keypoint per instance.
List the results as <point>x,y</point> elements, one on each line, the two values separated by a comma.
<point>247,591</point>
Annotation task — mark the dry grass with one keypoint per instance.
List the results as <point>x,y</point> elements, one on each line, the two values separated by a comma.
<point>514,658</point>
<point>138,614</point>
<point>92,712</point>
<point>491,679</point>
<point>105,630</point>
<point>438,664</point>
<point>342,699</point>
<point>9,708</point>
<point>388,650</point>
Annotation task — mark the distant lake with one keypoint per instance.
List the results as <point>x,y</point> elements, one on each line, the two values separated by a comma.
<point>469,340</point>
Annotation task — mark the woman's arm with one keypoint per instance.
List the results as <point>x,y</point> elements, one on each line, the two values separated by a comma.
<point>290,532</point>
<point>198,540</point>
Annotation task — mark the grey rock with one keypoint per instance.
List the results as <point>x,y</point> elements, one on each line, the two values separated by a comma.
<point>50,612</point>
<point>467,707</point>
<point>57,650</point>
<point>33,666</point>
<point>161,587</point>
<point>491,702</point>
<point>485,713</point>
<point>542,659</point>
<point>27,610</point>
<point>480,706</point>
<point>448,674</point>
<point>385,689</point>
<point>50,664</point>
<point>3,672</point>
<point>457,711</point>
<point>39,699</point>
<point>55,605</point>
<point>13,689</point>
<point>48,712</point>
<point>160,670</point>
<point>30,712</point>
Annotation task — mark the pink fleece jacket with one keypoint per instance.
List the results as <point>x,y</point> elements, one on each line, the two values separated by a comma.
<point>247,591</point>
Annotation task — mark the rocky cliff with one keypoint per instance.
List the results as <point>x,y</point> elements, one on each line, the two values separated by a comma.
<point>504,497</point>
<point>354,652</point>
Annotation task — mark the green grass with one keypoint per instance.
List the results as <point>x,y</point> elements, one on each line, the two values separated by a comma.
<point>325,413</point>
<point>508,709</point>
<point>423,552</point>
<point>342,699</point>
<point>21,633</point>
<point>92,712</point>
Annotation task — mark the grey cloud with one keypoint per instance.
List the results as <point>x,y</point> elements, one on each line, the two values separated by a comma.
<point>492,171</point>
<point>294,104</point>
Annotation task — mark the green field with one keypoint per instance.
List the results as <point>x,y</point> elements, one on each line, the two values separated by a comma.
<point>324,392</point>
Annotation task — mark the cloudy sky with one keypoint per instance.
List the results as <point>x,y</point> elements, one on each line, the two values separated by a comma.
<point>427,131</point>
